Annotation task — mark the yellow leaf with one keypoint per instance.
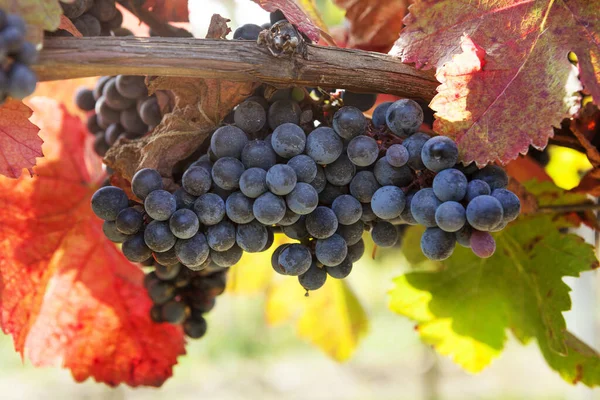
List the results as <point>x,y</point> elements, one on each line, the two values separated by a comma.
<point>310,9</point>
<point>284,300</point>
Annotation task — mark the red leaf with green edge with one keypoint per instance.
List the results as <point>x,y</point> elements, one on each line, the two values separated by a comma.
<point>294,13</point>
<point>67,295</point>
<point>169,10</point>
<point>19,140</point>
<point>374,24</point>
<point>508,80</point>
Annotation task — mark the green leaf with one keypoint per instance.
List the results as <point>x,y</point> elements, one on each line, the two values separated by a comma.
<point>548,194</point>
<point>465,308</point>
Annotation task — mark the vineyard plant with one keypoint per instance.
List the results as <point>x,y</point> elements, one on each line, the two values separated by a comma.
<point>143,169</point>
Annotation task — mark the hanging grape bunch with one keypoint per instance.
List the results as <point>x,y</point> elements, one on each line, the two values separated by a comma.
<point>119,106</point>
<point>271,170</point>
<point>16,77</point>
<point>94,18</point>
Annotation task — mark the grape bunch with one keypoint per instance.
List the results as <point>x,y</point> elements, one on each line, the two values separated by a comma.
<point>17,80</point>
<point>280,165</point>
<point>93,17</point>
<point>119,106</point>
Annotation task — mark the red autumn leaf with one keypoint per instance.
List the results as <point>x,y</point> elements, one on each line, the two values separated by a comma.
<point>19,140</point>
<point>509,79</point>
<point>294,13</point>
<point>169,10</point>
<point>374,24</point>
<point>67,295</point>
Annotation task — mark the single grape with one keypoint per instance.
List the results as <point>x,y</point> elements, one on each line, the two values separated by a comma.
<point>247,32</point>
<point>195,328</point>
<point>167,258</point>
<point>145,181</point>
<point>21,81</point>
<point>379,113</point>
<point>388,202</point>
<point>275,258</point>
<point>228,141</point>
<point>356,251</point>
<point>173,312</point>
<point>297,230</point>
<point>184,223</point>
<point>463,235</point>
<point>349,122</point>
<point>386,174</point>
<point>161,292</point>
<point>289,218</point>
<point>314,278</point>
<point>135,248</point>
<point>226,173</point>
<point>196,181</point>
<point>167,272</point>
<point>414,144</point>
<point>100,144</point>
<point>113,98</point>
<point>493,175</point>
<point>112,233</point>
<point>227,258</point>
<point>330,193</point>
<point>238,208</point>
<point>88,25</point>
<point>321,223</point>
<point>253,182</point>
<point>436,244</point>
<point>363,186</point>
<point>482,244</point>
<point>323,145</point>
<point>269,209</point>
<point>281,179</point>
<point>450,185</point>
<point>484,212</point>
<point>450,216</point>
<point>367,213</point>
<point>404,117</point>
<point>221,237</point>
<point>257,153</point>
<point>439,153</point>
<point>129,221</point>
<point>112,133</point>
<point>363,151</point>
<point>288,140</point>
<point>84,99</point>
<point>511,205</point>
<point>423,207</point>
<point>158,236</point>
<point>160,205</point>
<point>283,112</point>
<point>108,202</point>
<point>362,101</point>
<point>347,209</point>
<point>192,252</point>
<point>305,168</point>
<point>251,237</point>
<point>210,209</point>
<point>477,187</point>
<point>331,251</point>
<point>150,112</point>
<point>303,199</point>
<point>351,233</point>
<point>133,124</point>
<point>384,234</point>
<point>341,270</point>
<point>320,180</point>
<point>397,155</point>
<point>341,171</point>
<point>132,87</point>
<point>294,259</point>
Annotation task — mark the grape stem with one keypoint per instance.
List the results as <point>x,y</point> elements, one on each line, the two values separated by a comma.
<point>568,208</point>
<point>233,60</point>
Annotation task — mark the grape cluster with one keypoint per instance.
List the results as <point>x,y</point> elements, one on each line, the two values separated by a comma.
<point>119,106</point>
<point>93,17</point>
<point>280,165</point>
<point>17,80</point>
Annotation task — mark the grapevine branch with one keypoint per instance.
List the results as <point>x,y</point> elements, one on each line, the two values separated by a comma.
<point>328,67</point>
<point>569,208</point>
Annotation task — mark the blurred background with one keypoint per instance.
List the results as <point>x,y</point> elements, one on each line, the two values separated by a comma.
<point>244,357</point>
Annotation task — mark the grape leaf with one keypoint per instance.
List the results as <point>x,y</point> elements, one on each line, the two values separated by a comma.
<point>38,14</point>
<point>508,80</point>
<point>168,10</point>
<point>294,13</point>
<point>67,295</point>
<point>374,24</point>
<point>465,306</point>
<point>331,318</point>
<point>19,140</point>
